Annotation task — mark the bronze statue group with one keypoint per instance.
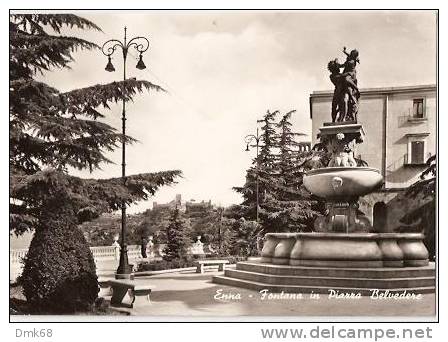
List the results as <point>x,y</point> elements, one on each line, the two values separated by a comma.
<point>346,93</point>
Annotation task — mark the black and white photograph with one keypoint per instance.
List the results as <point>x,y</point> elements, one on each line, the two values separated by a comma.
<point>223,165</point>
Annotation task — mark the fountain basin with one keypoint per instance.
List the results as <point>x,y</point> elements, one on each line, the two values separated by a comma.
<point>342,182</point>
<point>369,250</point>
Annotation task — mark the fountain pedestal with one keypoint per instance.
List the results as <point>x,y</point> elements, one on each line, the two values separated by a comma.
<point>342,182</point>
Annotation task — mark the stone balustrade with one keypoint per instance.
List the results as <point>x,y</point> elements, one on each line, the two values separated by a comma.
<point>104,252</point>
<point>16,255</point>
<point>106,257</point>
<point>98,252</point>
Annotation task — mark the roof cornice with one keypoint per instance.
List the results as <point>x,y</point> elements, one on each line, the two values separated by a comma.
<point>381,90</point>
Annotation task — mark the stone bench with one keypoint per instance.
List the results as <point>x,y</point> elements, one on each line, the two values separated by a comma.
<point>129,293</point>
<point>202,263</point>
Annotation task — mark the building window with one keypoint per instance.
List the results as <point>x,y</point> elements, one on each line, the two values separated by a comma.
<point>418,111</point>
<point>417,149</point>
<point>418,152</point>
<point>379,217</point>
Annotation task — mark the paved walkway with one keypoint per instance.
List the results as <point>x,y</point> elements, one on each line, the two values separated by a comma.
<point>192,294</point>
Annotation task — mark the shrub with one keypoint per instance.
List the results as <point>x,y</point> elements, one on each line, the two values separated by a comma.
<point>233,259</point>
<point>166,265</point>
<point>59,273</point>
<point>181,263</point>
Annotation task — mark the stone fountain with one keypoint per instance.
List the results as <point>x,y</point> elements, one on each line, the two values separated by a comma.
<point>343,252</point>
<point>344,237</point>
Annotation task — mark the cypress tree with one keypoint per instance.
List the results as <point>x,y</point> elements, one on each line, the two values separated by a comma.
<point>176,237</point>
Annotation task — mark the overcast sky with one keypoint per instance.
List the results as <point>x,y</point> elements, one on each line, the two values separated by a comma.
<point>223,70</point>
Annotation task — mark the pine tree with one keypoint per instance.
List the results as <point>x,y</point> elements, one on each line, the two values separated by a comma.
<point>262,170</point>
<point>289,173</point>
<point>285,205</point>
<point>423,217</point>
<point>244,236</point>
<point>51,132</point>
<point>289,206</point>
<point>177,238</point>
<point>269,141</point>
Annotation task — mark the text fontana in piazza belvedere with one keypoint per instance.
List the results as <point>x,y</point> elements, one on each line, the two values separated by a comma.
<point>375,294</point>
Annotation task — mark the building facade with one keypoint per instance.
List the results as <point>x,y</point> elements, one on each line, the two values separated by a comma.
<point>189,207</point>
<point>197,208</point>
<point>400,127</point>
<point>175,203</point>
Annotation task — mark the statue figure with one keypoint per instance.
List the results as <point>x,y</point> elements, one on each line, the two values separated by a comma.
<point>151,246</point>
<point>342,151</point>
<point>144,244</point>
<point>198,247</point>
<point>346,93</point>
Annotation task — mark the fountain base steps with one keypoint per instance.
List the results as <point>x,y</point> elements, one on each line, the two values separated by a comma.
<point>299,279</point>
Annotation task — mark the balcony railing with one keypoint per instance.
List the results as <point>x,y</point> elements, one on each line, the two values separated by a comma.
<point>408,161</point>
<point>415,118</point>
<point>98,252</point>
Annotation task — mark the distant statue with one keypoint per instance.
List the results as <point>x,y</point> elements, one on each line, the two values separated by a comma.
<point>151,246</point>
<point>116,246</point>
<point>198,247</point>
<point>144,244</point>
<point>345,102</point>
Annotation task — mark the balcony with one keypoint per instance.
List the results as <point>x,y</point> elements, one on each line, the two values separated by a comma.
<point>416,119</point>
<point>419,162</point>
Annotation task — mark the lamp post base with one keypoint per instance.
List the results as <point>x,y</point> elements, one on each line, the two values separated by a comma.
<point>124,271</point>
<point>129,276</point>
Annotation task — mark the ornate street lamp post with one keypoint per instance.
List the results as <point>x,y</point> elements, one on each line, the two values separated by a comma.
<point>249,139</point>
<point>141,44</point>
